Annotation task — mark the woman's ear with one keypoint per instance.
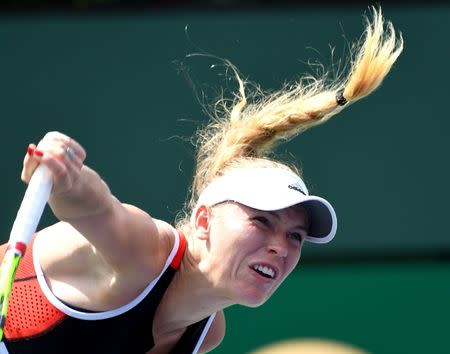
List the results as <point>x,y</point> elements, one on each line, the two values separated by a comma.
<point>202,222</point>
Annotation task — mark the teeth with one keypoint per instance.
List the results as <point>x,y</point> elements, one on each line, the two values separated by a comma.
<point>265,270</point>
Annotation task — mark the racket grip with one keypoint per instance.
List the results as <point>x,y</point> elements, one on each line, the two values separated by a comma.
<point>32,206</point>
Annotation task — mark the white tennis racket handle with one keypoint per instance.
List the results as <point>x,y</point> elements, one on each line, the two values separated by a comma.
<point>32,206</point>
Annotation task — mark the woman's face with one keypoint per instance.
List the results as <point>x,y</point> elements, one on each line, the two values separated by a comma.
<point>251,252</point>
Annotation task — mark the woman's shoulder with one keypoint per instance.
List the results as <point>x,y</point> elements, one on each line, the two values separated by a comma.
<point>152,248</point>
<point>66,257</point>
<point>215,334</point>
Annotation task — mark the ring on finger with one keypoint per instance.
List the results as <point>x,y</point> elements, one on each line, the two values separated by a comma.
<point>70,152</point>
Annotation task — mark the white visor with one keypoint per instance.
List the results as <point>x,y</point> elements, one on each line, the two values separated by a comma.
<point>272,188</point>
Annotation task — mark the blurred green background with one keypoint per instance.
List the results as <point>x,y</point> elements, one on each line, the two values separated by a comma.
<point>116,82</point>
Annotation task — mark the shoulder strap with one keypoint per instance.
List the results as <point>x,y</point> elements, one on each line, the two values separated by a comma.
<point>175,264</point>
<point>192,339</point>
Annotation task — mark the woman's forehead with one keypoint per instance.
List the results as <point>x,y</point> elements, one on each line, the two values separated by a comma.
<point>296,212</point>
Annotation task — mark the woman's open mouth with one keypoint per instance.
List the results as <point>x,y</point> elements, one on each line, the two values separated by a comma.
<point>264,270</point>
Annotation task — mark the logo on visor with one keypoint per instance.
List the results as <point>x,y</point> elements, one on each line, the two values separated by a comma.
<point>297,188</point>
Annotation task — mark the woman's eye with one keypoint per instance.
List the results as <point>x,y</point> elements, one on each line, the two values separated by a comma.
<point>261,219</point>
<point>295,236</point>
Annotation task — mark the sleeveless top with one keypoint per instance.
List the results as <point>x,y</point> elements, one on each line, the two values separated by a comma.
<point>38,322</point>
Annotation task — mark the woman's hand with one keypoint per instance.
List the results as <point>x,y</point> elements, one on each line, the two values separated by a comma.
<point>61,154</point>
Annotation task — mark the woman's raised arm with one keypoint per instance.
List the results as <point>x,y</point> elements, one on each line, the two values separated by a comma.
<point>123,234</point>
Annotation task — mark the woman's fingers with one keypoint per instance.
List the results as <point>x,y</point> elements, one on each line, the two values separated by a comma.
<point>78,149</point>
<point>30,162</point>
<point>61,154</point>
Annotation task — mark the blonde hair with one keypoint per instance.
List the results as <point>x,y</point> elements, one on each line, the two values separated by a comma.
<point>246,133</point>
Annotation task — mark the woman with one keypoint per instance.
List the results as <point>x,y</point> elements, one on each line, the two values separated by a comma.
<point>109,278</point>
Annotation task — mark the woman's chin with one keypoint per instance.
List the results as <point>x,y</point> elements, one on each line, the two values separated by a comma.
<point>253,298</point>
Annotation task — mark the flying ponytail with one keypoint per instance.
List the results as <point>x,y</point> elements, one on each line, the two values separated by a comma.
<point>250,131</point>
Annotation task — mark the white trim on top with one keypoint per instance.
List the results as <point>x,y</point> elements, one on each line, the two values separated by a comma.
<point>3,349</point>
<point>204,333</point>
<point>94,315</point>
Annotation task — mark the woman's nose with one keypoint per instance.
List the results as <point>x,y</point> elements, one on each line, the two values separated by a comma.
<point>279,245</point>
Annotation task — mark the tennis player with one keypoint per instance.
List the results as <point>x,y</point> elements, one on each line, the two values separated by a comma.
<point>109,278</point>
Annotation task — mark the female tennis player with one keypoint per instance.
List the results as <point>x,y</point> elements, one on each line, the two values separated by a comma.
<point>110,278</point>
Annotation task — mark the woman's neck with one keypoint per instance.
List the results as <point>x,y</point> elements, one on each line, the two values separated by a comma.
<point>190,297</point>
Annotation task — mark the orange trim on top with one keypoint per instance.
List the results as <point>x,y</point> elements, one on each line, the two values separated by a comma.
<point>180,252</point>
<point>30,313</point>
